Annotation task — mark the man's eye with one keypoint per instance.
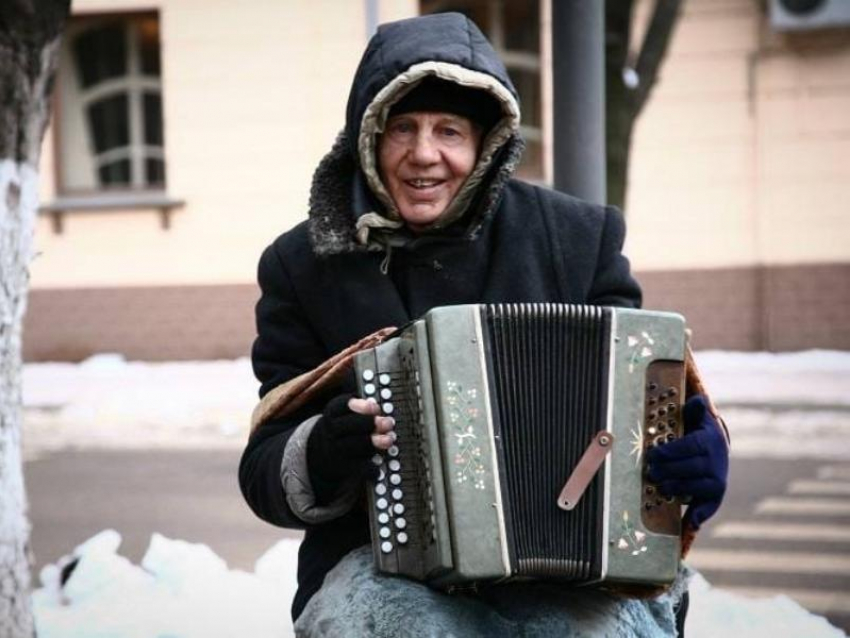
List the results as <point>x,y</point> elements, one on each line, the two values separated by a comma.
<point>401,127</point>
<point>450,132</point>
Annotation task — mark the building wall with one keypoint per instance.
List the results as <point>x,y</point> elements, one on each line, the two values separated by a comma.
<point>254,95</point>
<point>740,185</point>
<point>738,200</point>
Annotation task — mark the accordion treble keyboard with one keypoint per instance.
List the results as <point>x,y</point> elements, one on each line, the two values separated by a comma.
<point>402,518</point>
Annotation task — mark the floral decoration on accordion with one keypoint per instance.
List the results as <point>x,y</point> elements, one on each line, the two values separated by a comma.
<point>641,348</point>
<point>631,540</point>
<point>462,416</point>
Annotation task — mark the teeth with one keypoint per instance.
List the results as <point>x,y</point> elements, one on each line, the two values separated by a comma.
<point>420,183</point>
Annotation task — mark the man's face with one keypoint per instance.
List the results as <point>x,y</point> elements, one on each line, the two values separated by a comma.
<point>424,159</point>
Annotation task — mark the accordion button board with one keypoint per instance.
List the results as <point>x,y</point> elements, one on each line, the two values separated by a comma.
<point>410,535</point>
<point>662,424</point>
<point>390,500</point>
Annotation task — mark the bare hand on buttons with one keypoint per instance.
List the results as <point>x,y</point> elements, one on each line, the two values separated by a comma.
<point>383,436</point>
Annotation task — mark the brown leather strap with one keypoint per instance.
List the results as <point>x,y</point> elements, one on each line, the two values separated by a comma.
<point>288,397</point>
<point>695,385</point>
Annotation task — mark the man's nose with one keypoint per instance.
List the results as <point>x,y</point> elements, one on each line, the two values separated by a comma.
<point>425,149</point>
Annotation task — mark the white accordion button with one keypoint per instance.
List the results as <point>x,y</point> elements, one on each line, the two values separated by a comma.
<point>386,393</point>
<point>395,479</point>
<point>393,451</point>
<point>369,388</point>
<point>385,532</point>
<point>383,518</point>
<point>381,475</point>
<point>377,459</point>
<point>368,375</point>
<point>386,547</point>
<point>397,494</point>
<point>402,538</point>
<point>388,408</point>
<point>398,508</point>
<point>395,466</point>
<point>384,379</point>
<point>381,504</point>
<point>380,489</point>
<point>400,523</point>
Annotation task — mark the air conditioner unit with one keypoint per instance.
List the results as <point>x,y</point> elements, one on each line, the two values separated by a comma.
<point>806,15</point>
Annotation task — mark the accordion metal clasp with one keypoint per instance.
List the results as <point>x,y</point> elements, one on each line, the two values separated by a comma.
<point>522,430</point>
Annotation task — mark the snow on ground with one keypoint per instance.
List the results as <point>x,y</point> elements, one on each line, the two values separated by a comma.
<point>790,404</point>
<point>107,402</point>
<point>794,404</point>
<point>179,590</point>
<point>183,590</point>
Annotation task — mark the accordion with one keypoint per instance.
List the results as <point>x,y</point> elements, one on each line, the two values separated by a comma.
<point>521,435</point>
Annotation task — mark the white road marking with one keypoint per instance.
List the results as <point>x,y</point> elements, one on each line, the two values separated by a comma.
<point>769,561</point>
<point>834,472</point>
<point>783,531</point>
<point>817,601</point>
<point>725,560</point>
<point>819,487</point>
<point>803,506</point>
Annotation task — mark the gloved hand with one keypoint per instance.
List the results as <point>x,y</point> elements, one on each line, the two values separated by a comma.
<point>696,465</point>
<point>342,443</point>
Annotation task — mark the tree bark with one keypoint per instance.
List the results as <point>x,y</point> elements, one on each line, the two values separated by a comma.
<point>629,81</point>
<point>30,32</point>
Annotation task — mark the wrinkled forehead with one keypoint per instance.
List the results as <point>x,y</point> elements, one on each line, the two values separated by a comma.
<point>433,118</point>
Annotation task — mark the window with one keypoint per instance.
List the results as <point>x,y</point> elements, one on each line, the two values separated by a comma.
<point>110,128</point>
<point>513,28</point>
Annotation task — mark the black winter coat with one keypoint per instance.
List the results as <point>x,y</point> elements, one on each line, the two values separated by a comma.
<point>539,246</point>
<point>321,292</point>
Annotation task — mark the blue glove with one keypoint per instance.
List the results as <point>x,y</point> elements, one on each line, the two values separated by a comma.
<point>696,466</point>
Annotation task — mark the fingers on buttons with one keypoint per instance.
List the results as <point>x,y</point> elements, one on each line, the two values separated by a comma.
<point>383,441</point>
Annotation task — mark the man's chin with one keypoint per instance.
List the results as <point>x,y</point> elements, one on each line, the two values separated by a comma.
<point>420,217</point>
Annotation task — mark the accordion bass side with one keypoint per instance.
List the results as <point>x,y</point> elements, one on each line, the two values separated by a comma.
<point>521,436</point>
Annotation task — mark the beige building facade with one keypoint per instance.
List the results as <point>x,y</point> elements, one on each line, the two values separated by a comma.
<point>186,132</point>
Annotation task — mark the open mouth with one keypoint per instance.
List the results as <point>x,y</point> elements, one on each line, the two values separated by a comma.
<point>423,184</point>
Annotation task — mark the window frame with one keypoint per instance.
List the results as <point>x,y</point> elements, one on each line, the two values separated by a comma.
<point>138,195</point>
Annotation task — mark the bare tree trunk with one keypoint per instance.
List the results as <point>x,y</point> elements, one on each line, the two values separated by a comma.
<point>629,79</point>
<point>29,42</point>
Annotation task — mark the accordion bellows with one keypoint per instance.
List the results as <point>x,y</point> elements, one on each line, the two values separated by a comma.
<point>498,408</point>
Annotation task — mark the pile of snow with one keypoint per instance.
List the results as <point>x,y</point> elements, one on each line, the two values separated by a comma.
<point>180,590</point>
<point>184,590</point>
<point>715,612</point>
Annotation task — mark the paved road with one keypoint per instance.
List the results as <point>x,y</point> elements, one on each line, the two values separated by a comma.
<point>192,496</point>
<point>784,528</point>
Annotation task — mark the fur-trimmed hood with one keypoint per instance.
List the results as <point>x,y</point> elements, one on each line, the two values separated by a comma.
<point>347,193</point>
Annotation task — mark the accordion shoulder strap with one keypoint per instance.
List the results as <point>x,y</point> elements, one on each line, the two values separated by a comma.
<point>694,385</point>
<point>293,394</point>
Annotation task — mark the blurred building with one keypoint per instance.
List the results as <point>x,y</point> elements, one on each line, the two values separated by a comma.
<point>185,134</point>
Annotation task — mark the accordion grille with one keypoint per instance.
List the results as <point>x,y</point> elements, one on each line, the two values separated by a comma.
<point>549,368</point>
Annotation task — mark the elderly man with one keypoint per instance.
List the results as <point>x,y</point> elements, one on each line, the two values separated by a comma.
<point>414,207</point>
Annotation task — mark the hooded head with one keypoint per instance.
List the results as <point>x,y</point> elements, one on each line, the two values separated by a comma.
<point>421,64</point>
